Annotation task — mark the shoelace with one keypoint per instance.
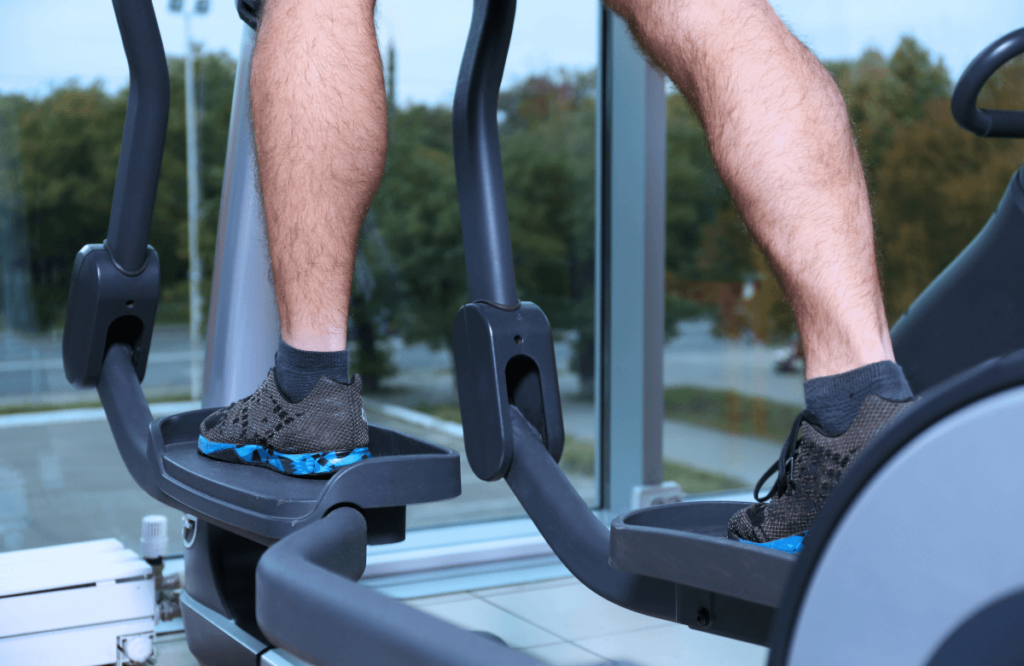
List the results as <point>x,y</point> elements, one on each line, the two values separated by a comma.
<point>783,468</point>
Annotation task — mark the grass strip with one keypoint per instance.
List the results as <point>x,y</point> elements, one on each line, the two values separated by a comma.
<point>85,404</point>
<point>578,458</point>
<point>730,411</point>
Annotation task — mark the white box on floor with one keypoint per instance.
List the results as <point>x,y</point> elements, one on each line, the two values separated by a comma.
<point>81,604</point>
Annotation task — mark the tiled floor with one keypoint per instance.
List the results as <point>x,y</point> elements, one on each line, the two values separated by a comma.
<point>562,623</point>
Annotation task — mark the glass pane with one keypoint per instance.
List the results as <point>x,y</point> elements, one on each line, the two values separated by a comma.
<point>61,118</point>
<point>410,277</point>
<point>733,364</point>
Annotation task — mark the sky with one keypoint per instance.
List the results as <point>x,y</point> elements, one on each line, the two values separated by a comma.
<point>43,44</point>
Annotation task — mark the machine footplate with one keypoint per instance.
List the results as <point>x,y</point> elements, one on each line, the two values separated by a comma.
<point>266,505</point>
<point>686,543</point>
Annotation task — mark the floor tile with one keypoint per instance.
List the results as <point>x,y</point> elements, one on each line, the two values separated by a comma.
<point>478,615</point>
<point>439,599</point>
<point>571,612</point>
<point>677,645</point>
<point>528,587</point>
<point>564,654</point>
<point>173,651</point>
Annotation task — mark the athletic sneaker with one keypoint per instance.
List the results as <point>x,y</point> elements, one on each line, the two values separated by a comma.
<point>809,467</point>
<point>313,437</point>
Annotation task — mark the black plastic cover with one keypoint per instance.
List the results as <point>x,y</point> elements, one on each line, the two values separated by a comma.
<point>249,12</point>
<point>687,543</point>
<point>993,631</point>
<point>107,306</point>
<point>982,289</point>
<point>505,358</point>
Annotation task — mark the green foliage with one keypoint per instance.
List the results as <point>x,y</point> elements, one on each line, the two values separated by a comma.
<point>933,184</point>
<point>214,76</point>
<point>730,411</point>
<point>547,140</point>
<point>933,187</point>
<point>69,146</point>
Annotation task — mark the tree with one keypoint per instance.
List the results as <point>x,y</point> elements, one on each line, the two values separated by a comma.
<point>547,138</point>
<point>936,187</point>
<point>70,142</point>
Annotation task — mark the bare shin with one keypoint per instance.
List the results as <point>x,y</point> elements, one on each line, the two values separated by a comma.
<point>780,136</point>
<point>320,128</point>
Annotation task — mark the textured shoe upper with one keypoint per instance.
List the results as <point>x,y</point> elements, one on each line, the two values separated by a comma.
<point>328,419</point>
<point>818,465</point>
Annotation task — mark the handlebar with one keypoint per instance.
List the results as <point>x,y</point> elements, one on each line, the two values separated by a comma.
<point>307,601</point>
<point>482,204</point>
<point>988,122</point>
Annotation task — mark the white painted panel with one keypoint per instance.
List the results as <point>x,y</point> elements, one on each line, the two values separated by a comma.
<point>85,646</point>
<point>32,613</point>
<point>61,552</point>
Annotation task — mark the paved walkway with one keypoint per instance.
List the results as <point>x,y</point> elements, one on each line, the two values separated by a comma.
<point>740,456</point>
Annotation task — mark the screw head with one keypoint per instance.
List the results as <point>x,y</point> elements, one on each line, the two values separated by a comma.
<point>703,617</point>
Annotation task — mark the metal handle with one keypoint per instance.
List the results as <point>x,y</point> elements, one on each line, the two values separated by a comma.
<point>988,122</point>
<point>129,416</point>
<point>307,602</point>
<point>578,538</point>
<point>482,205</point>
<point>145,128</point>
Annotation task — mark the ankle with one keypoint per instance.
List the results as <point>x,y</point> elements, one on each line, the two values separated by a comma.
<point>835,400</point>
<point>298,370</point>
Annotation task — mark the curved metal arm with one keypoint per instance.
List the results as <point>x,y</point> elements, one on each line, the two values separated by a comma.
<point>145,128</point>
<point>482,205</point>
<point>988,122</point>
<point>579,539</point>
<point>307,602</point>
<point>129,415</point>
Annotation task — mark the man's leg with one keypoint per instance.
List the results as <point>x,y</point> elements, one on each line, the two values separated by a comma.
<point>779,133</point>
<point>320,127</point>
<point>780,136</point>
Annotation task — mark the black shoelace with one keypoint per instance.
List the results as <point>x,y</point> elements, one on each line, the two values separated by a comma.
<point>783,469</point>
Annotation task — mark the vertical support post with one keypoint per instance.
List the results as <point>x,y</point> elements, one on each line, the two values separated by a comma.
<point>243,325</point>
<point>195,267</point>
<point>631,268</point>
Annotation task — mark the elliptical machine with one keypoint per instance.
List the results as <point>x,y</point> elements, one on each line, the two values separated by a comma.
<point>271,560</point>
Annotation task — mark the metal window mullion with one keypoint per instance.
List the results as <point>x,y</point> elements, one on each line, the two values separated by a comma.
<point>630,279</point>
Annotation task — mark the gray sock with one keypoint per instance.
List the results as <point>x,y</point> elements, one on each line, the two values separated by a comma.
<point>836,399</point>
<point>299,370</point>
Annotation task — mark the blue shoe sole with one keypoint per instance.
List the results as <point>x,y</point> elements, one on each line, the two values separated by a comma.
<point>292,464</point>
<point>793,544</point>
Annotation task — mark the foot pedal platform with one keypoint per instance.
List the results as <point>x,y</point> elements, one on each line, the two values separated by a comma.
<point>718,580</point>
<point>265,506</point>
<point>686,543</point>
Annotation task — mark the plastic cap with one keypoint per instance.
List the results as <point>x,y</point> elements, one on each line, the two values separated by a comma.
<point>138,648</point>
<point>154,537</point>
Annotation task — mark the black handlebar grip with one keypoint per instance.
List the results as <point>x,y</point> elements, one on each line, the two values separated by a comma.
<point>988,122</point>
<point>145,128</point>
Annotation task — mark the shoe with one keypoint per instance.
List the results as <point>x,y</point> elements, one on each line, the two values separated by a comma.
<point>810,466</point>
<point>313,437</point>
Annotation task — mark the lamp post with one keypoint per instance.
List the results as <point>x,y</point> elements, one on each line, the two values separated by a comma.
<point>195,268</point>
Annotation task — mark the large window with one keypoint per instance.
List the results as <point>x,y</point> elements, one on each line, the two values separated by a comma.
<point>411,279</point>
<point>733,365</point>
<point>61,119</point>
